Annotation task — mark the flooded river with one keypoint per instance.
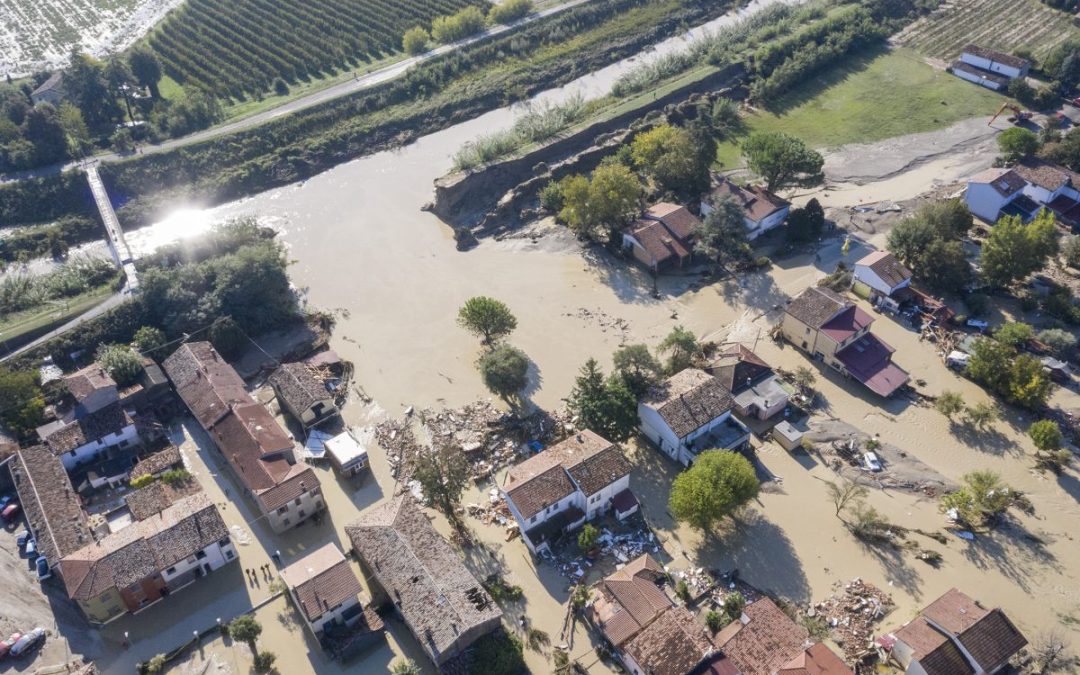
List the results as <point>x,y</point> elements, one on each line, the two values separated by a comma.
<point>363,249</point>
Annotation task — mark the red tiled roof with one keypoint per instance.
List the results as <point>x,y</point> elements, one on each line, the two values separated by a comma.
<point>660,243</point>
<point>757,202</point>
<point>869,361</point>
<point>629,599</point>
<point>847,323</point>
<point>1046,174</point>
<point>321,580</point>
<point>816,305</point>
<point>766,642</point>
<point>688,400</point>
<point>993,640</point>
<point>678,219</point>
<point>674,644</point>
<point>817,660</point>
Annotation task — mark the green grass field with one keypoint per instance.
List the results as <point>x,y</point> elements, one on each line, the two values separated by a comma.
<point>877,96</point>
<point>21,327</point>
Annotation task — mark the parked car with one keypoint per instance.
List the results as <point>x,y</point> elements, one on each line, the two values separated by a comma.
<point>11,511</point>
<point>27,642</point>
<point>31,547</point>
<point>6,645</point>
<point>872,462</point>
<point>43,571</point>
<point>23,538</point>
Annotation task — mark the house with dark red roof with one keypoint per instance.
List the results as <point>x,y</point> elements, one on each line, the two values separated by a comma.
<point>837,331</point>
<point>663,237</point>
<point>762,210</point>
<point>879,274</point>
<point>326,590</point>
<point>954,635</point>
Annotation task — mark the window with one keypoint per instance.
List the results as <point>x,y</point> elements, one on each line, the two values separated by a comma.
<point>807,331</point>
<point>282,510</point>
<point>284,521</point>
<point>315,490</point>
<point>297,502</point>
<point>171,570</point>
<point>533,519</point>
<point>302,514</point>
<point>224,542</point>
<point>229,554</point>
<point>200,555</point>
<point>318,505</point>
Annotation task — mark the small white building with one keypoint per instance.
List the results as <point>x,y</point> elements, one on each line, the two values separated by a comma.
<point>762,210</point>
<point>996,62</point>
<point>347,454</point>
<point>1030,185</point>
<point>89,438</point>
<point>879,274</point>
<point>560,488</point>
<point>324,588</point>
<point>689,413</point>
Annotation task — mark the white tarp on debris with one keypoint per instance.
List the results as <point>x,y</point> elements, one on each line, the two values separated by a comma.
<point>315,447</point>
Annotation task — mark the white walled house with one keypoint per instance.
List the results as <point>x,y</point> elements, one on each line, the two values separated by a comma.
<point>324,589</point>
<point>689,413</point>
<point>996,62</point>
<point>85,439</point>
<point>561,487</point>
<point>990,191</point>
<point>1030,185</point>
<point>879,274</point>
<point>762,210</point>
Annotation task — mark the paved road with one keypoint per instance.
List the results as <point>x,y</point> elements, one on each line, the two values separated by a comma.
<point>112,301</point>
<point>335,91</point>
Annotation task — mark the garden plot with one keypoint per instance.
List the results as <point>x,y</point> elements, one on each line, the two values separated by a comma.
<point>39,34</point>
<point>1005,25</point>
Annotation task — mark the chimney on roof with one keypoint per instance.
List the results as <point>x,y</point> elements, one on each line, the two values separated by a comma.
<point>748,381</point>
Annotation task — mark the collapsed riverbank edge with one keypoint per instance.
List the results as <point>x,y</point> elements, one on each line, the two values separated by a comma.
<point>463,198</point>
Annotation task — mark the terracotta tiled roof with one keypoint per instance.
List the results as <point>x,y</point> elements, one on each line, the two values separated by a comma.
<point>143,548</point>
<point>444,605</point>
<point>84,382</point>
<point>756,202</point>
<point>584,460</point>
<point>299,479</point>
<point>1045,174</point>
<point>297,386</point>
<point>677,218</point>
<point>735,364</point>
<point>659,242</point>
<point>817,660</point>
<point>160,461</point>
<point>674,644</point>
<point>92,427</point>
<point>993,640</point>
<point>1005,181</point>
<point>689,400</point>
<point>51,505</point>
<point>886,266</point>
<point>629,599</point>
<point>767,641</point>
<point>207,384</point>
<point>816,305</point>
<point>321,580</point>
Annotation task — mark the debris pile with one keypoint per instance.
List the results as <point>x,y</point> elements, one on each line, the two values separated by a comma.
<point>495,511</point>
<point>619,548</point>
<point>396,437</point>
<point>851,616</point>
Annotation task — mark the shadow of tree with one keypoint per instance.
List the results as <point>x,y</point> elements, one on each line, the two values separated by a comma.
<point>1012,551</point>
<point>987,439</point>
<point>897,568</point>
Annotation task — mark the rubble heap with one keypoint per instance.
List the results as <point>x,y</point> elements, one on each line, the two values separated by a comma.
<point>851,616</point>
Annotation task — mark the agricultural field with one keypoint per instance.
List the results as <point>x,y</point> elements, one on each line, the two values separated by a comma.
<point>39,34</point>
<point>879,95</point>
<point>997,24</point>
<point>237,48</point>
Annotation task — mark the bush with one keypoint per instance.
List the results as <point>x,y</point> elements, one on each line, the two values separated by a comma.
<point>509,11</point>
<point>682,590</point>
<point>498,653</point>
<point>176,476</point>
<point>468,21</point>
<point>281,87</point>
<point>1059,341</point>
<point>588,537</point>
<point>714,620</point>
<point>148,340</point>
<point>122,141</point>
<point>415,40</point>
<point>551,197</point>
<point>142,481</point>
<point>977,304</point>
<point>1046,435</point>
<point>264,662</point>
<point>156,664</point>
<point>121,363</point>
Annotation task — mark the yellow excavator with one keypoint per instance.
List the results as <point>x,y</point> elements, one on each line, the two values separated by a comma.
<point>1018,117</point>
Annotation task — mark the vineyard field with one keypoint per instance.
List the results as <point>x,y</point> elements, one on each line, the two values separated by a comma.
<point>1004,25</point>
<point>39,34</point>
<point>237,48</point>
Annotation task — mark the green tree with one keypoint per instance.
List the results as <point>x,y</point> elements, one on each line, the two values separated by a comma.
<point>122,141</point>
<point>487,318</point>
<point>148,340</point>
<point>982,499</point>
<point>950,218</point>
<point>715,487</point>
<point>734,604</point>
<point>1046,435</point>
<point>782,160</point>
<point>121,363</point>
<point>1014,250</point>
<point>949,403</point>
<point>509,11</point>
<point>681,346</point>
<point>1016,143</point>
<point>637,367</point>
<point>1029,385</point>
<point>245,628</point>
<point>228,338</point>
<point>1070,251</point>
<point>75,131</point>
<point>944,266</point>
<point>1059,341</point>
<point>443,474</point>
<point>43,128</point>
<point>722,236</point>
<point>614,197</point>
<point>146,69</point>
<point>415,40</point>
<point>84,83</point>
<point>264,662</point>
<point>668,155</point>
<point>404,666</point>
<point>981,414</point>
<point>22,403</point>
<point>804,379</point>
<point>466,22</point>
<point>989,364</point>
<point>605,406</point>
<point>588,537</point>
<point>714,620</point>
<point>909,239</point>
<point>1014,333</point>
<point>505,371</point>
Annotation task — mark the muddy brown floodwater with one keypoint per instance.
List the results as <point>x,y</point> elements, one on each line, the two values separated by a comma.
<point>363,248</point>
